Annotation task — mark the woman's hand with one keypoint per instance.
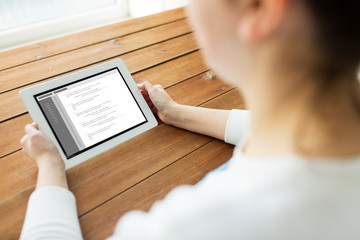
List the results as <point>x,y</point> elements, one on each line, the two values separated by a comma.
<point>39,147</point>
<point>211,122</point>
<point>46,156</point>
<point>159,102</point>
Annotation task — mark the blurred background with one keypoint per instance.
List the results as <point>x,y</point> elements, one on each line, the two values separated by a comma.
<point>23,22</point>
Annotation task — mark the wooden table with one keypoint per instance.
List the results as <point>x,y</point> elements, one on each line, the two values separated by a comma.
<point>158,48</point>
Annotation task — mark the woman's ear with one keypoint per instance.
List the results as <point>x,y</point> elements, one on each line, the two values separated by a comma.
<point>260,18</point>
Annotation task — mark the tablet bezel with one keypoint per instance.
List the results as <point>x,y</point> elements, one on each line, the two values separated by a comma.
<point>36,114</point>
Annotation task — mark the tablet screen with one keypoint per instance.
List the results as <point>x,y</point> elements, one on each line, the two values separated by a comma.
<point>87,112</point>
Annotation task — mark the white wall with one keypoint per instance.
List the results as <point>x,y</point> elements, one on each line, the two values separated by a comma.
<point>23,22</point>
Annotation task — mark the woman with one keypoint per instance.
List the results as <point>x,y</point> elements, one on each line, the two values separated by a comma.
<point>296,175</point>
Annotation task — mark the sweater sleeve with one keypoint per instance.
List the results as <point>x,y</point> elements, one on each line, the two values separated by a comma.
<point>237,125</point>
<point>51,214</point>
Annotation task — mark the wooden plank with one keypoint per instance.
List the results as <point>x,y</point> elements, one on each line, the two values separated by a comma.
<point>10,168</point>
<point>135,61</point>
<point>197,90</point>
<point>52,47</point>
<point>193,62</point>
<point>62,63</point>
<point>229,100</point>
<point>13,181</point>
<point>12,209</point>
<point>124,169</point>
<point>100,223</point>
<point>12,214</point>
<point>155,54</point>
<point>12,130</point>
<point>18,173</point>
<point>112,172</point>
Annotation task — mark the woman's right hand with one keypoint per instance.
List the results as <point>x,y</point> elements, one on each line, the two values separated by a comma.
<point>40,148</point>
<point>159,101</point>
<point>51,167</point>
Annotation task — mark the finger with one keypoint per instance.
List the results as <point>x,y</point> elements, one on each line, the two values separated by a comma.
<point>141,86</point>
<point>150,104</point>
<point>148,101</point>
<point>36,125</point>
<point>148,86</point>
<point>154,109</point>
<point>145,96</point>
<point>30,129</point>
<point>144,93</point>
<point>23,140</point>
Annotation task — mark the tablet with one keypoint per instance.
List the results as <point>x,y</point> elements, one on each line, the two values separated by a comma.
<point>90,111</point>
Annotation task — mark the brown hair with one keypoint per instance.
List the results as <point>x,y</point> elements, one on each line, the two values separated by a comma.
<point>338,40</point>
<point>338,33</point>
<point>337,30</point>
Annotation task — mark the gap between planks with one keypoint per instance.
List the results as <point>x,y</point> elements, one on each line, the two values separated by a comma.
<point>101,222</point>
<point>171,76</point>
<point>22,196</point>
<point>75,60</point>
<point>202,91</point>
<point>133,61</point>
<point>146,178</point>
<point>53,47</point>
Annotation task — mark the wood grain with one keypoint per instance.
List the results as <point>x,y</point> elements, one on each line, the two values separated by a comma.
<point>100,223</point>
<point>13,178</point>
<point>159,49</point>
<point>229,100</point>
<point>12,214</point>
<point>12,130</point>
<point>52,47</point>
<point>62,63</point>
<point>135,61</point>
<point>12,207</point>
<point>93,181</point>
<point>174,70</point>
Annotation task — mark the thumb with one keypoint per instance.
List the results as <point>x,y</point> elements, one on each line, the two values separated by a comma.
<point>148,86</point>
<point>30,129</point>
<point>36,125</point>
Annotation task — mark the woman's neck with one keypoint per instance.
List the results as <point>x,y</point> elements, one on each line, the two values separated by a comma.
<point>292,117</point>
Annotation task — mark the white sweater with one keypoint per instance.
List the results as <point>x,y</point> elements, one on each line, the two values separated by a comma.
<point>285,197</point>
